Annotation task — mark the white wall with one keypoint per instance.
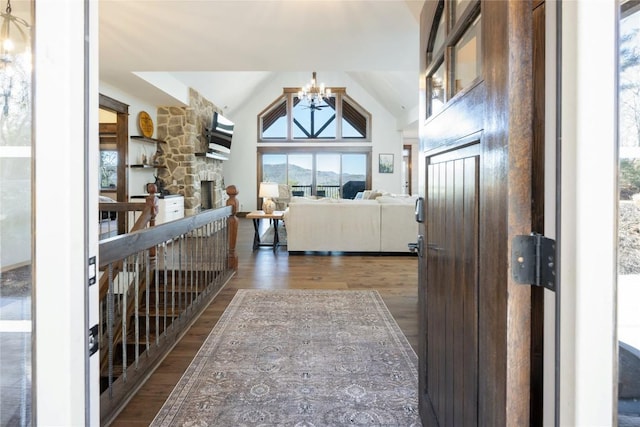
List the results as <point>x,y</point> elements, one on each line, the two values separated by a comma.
<point>240,169</point>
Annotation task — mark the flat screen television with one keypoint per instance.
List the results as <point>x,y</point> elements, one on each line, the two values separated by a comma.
<point>220,134</point>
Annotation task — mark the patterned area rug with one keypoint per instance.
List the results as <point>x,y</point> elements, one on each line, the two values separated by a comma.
<point>299,358</point>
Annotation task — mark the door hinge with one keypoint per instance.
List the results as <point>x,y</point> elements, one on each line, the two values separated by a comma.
<point>533,260</point>
<point>94,342</point>
<point>92,270</point>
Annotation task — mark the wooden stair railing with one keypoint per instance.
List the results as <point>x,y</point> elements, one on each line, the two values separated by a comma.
<point>232,201</point>
<point>161,279</point>
<point>147,217</point>
<point>148,209</point>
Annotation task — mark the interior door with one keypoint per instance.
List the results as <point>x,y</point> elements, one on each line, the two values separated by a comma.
<point>476,167</point>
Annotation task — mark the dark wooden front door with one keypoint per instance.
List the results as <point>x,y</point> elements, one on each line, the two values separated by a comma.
<point>452,288</point>
<point>476,144</point>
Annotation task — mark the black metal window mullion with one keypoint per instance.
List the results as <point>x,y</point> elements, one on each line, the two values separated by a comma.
<point>331,119</point>
<point>297,123</point>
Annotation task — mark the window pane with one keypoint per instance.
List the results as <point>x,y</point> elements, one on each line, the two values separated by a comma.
<point>437,90</point>
<point>354,123</point>
<point>628,322</point>
<point>318,122</point>
<point>274,168</point>
<point>439,40</point>
<point>349,131</point>
<point>325,122</point>
<point>277,130</point>
<point>300,173</point>
<point>108,169</point>
<point>468,61</point>
<point>328,175</point>
<point>334,173</point>
<point>354,174</point>
<point>16,237</point>
<point>313,121</point>
<point>274,123</point>
<point>459,7</point>
<point>354,167</point>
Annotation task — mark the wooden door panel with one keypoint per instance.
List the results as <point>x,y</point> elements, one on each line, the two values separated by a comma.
<point>469,271</point>
<point>451,309</point>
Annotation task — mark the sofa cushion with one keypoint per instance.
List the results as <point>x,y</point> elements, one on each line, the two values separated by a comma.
<point>397,200</point>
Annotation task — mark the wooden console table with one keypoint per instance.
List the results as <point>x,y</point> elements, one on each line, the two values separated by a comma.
<point>256,216</point>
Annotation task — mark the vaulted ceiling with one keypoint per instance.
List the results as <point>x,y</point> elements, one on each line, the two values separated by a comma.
<point>226,49</point>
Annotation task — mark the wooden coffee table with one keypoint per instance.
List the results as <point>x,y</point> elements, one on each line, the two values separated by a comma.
<point>256,216</point>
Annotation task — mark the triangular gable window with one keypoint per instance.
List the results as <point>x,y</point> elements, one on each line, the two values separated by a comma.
<point>338,118</point>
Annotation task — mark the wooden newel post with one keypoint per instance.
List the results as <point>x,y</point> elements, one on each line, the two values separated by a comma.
<point>152,203</point>
<point>232,201</point>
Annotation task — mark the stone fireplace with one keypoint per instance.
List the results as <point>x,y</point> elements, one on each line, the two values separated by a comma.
<point>208,194</point>
<point>187,167</point>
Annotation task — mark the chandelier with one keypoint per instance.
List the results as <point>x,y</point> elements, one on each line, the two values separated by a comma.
<point>15,66</point>
<point>313,93</point>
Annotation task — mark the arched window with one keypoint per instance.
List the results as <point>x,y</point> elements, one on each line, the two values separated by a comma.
<point>337,119</point>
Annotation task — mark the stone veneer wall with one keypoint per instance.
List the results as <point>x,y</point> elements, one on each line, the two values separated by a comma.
<point>182,129</point>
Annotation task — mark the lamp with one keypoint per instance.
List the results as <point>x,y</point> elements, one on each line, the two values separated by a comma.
<point>267,191</point>
<point>15,68</point>
<point>312,93</point>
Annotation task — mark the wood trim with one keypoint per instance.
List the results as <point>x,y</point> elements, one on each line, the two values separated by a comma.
<point>122,137</point>
<point>122,246</point>
<point>462,25</point>
<point>334,90</point>
<point>465,147</point>
<point>107,128</point>
<point>121,207</point>
<point>504,383</point>
<point>122,143</point>
<point>409,148</point>
<point>436,13</point>
<point>112,104</point>
<point>465,110</point>
<point>314,149</point>
<point>520,139</point>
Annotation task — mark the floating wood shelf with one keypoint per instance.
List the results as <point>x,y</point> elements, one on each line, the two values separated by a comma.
<point>139,166</point>
<point>145,139</point>
<point>212,155</point>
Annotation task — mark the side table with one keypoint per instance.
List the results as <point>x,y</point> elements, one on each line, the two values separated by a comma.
<point>256,216</point>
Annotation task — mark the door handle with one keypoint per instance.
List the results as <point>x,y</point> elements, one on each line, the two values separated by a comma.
<point>417,247</point>
<point>419,209</point>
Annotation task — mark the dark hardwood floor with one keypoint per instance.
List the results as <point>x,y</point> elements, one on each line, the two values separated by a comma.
<point>394,277</point>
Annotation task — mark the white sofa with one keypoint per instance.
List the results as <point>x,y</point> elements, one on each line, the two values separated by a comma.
<point>386,224</point>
